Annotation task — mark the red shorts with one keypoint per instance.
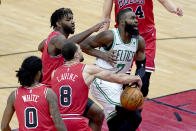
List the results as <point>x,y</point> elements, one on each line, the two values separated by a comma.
<point>150,40</point>
<point>76,124</point>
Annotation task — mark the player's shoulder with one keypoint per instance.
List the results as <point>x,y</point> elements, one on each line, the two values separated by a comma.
<point>57,38</point>
<point>12,96</point>
<point>140,38</point>
<point>105,36</point>
<point>106,33</point>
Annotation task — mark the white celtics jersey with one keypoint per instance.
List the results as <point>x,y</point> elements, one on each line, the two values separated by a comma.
<point>108,93</point>
<point>124,51</point>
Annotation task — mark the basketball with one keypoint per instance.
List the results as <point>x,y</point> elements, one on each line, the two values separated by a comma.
<point>131,98</point>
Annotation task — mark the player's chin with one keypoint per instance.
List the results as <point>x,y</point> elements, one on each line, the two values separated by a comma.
<point>72,32</point>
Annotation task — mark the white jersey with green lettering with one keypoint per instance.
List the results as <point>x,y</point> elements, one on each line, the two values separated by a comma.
<point>124,52</point>
<point>108,93</point>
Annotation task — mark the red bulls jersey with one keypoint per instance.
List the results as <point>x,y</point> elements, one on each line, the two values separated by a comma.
<point>71,89</point>
<point>50,63</point>
<point>143,9</point>
<point>32,109</point>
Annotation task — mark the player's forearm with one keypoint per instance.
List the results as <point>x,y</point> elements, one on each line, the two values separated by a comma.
<point>88,49</point>
<point>120,78</point>
<point>107,9</point>
<point>60,126</point>
<point>6,120</point>
<point>170,6</point>
<point>57,119</point>
<point>81,36</point>
<point>127,79</point>
<point>6,128</point>
<point>93,52</point>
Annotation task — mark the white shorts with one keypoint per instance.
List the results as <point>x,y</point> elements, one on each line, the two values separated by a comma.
<point>107,94</point>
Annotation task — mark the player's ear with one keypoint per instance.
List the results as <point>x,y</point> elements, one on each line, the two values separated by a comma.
<point>58,24</point>
<point>38,75</point>
<point>76,55</point>
<point>123,22</point>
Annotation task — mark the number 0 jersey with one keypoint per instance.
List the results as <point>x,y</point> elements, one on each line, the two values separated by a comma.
<point>32,109</point>
<point>124,51</point>
<point>143,9</point>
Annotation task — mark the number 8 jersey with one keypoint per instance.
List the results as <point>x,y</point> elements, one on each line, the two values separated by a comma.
<point>124,51</point>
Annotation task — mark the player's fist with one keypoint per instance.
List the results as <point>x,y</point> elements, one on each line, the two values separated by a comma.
<point>179,11</point>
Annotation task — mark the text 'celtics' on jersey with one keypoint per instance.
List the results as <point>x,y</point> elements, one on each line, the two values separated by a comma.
<point>124,51</point>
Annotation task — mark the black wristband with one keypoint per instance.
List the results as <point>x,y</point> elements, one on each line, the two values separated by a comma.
<point>140,68</point>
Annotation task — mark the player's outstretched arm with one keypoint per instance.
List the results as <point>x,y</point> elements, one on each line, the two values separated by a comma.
<point>107,9</point>
<point>171,7</point>
<point>8,113</point>
<point>54,111</point>
<point>81,36</point>
<point>103,39</point>
<point>121,78</point>
<point>59,40</point>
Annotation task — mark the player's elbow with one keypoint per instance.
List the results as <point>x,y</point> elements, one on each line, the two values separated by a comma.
<point>40,49</point>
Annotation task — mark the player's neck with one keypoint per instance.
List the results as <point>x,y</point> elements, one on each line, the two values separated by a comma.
<point>125,36</point>
<point>62,32</point>
<point>34,84</point>
<point>72,62</point>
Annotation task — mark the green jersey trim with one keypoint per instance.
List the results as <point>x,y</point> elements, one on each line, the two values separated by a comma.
<point>105,95</point>
<point>121,39</point>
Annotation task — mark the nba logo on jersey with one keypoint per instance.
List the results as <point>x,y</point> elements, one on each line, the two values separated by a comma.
<point>67,69</point>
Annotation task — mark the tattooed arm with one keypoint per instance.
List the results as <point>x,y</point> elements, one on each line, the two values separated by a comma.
<point>54,111</point>
<point>8,113</point>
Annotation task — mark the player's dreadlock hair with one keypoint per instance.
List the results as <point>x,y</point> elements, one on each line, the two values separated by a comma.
<point>121,13</point>
<point>58,15</point>
<point>68,50</point>
<point>28,70</point>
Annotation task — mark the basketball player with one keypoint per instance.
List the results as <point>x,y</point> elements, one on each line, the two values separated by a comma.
<point>63,25</point>
<point>34,103</point>
<point>144,11</point>
<point>71,81</point>
<point>128,44</point>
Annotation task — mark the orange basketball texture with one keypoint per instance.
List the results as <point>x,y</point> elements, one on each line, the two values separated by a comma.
<point>131,98</point>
